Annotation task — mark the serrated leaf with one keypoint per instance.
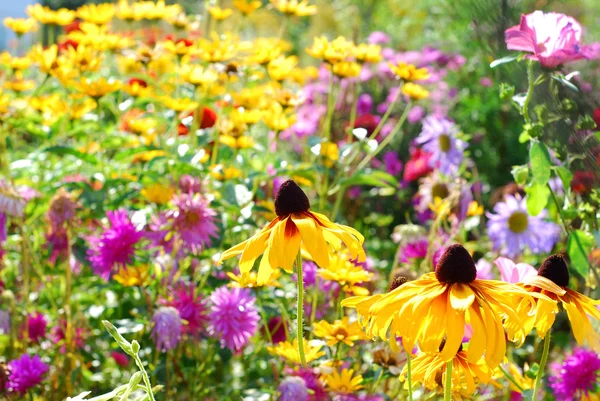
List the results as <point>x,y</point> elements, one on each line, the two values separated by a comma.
<point>540,163</point>
<point>65,150</point>
<point>578,247</point>
<point>502,60</point>
<point>537,198</point>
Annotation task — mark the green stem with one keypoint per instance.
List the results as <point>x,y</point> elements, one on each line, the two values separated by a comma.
<point>145,377</point>
<point>353,114</point>
<point>409,374</point>
<point>540,374</point>
<point>510,378</point>
<point>448,384</point>
<point>300,332</point>
<point>264,318</point>
<point>330,107</point>
<point>531,81</point>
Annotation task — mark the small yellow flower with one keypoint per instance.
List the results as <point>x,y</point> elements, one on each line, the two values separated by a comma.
<point>414,91</point>
<point>219,13</point>
<point>180,47</point>
<point>179,21</point>
<point>264,51</point>
<point>19,84</point>
<point>341,331</point>
<point>81,106</point>
<point>241,142</point>
<point>343,382</point>
<point>198,75</point>
<point>346,273</point>
<point>46,58</point>
<point>98,88</point>
<point>19,63</point>
<point>247,7</point>
<point>408,72</point>
<point>98,14</point>
<point>20,26</point>
<point>287,98</point>
<point>158,193</point>
<point>225,173</point>
<point>301,75</point>
<point>160,11</point>
<point>475,209</point>
<point>179,104</point>
<point>46,16</point>
<point>218,50</point>
<point>298,8</point>
<point>128,12</point>
<point>441,207</point>
<point>249,280</point>
<point>84,58</point>
<point>367,53</point>
<point>330,153</point>
<point>280,68</point>
<point>524,382</point>
<point>277,118</point>
<point>144,157</point>
<point>132,276</point>
<point>332,52</point>
<point>289,351</point>
<point>346,69</point>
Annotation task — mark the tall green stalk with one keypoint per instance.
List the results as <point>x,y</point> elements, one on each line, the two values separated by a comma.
<point>540,373</point>
<point>300,330</point>
<point>448,383</point>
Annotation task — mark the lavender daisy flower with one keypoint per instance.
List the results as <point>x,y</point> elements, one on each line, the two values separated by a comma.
<point>193,221</point>
<point>234,318</point>
<point>4,322</point>
<point>512,229</point>
<point>167,328</point>
<point>25,373</point>
<point>36,327</point>
<point>577,376</point>
<point>115,247</point>
<point>293,389</point>
<point>438,137</point>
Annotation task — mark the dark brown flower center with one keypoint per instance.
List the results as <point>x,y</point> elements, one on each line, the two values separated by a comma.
<point>397,282</point>
<point>456,266</point>
<point>555,269</point>
<point>290,199</point>
<point>439,191</point>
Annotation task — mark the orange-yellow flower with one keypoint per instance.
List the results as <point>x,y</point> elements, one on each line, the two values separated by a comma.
<point>414,91</point>
<point>295,227</point>
<point>408,72</point>
<point>20,26</point>
<point>247,7</point>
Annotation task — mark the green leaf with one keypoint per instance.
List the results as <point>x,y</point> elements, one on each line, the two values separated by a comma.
<point>578,247</point>
<point>565,176</point>
<point>375,180</point>
<point>502,60</point>
<point>520,174</point>
<point>565,82</point>
<point>540,163</point>
<point>65,150</point>
<point>537,198</point>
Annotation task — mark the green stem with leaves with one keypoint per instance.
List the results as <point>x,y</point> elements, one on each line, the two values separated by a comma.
<point>531,82</point>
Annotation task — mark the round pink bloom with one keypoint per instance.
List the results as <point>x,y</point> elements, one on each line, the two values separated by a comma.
<point>514,273</point>
<point>553,39</point>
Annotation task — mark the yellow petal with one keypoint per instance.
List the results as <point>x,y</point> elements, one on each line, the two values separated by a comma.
<point>461,297</point>
<point>544,284</point>
<point>265,270</point>
<point>312,239</point>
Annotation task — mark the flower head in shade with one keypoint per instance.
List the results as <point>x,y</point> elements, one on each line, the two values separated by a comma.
<point>437,307</point>
<point>512,229</point>
<point>577,376</point>
<point>347,273</point>
<point>25,373</point>
<point>36,327</point>
<point>191,308</point>
<point>167,328</point>
<point>293,389</point>
<point>514,273</point>
<point>295,228</point>
<point>439,137</point>
<point>115,247</point>
<point>233,318</point>
<point>58,242</point>
<point>189,184</point>
<point>553,39</point>
<point>194,221</point>
<point>4,322</point>
<point>432,187</point>
<point>552,281</point>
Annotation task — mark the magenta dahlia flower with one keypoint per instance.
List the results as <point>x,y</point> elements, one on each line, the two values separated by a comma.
<point>553,38</point>
<point>578,375</point>
<point>233,318</point>
<point>193,221</point>
<point>25,373</point>
<point>191,308</point>
<point>115,247</point>
<point>36,327</point>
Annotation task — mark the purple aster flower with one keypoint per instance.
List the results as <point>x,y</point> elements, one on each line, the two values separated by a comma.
<point>414,250</point>
<point>309,273</point>
<point>293,389</point>
<point>191,308</point>
<point>189,184</point>
<point>378,38</point>
<point>193,221</point>
<point>233,318</point>
<point>512,229</point>
<point>115,247</point>
<point>438,137</point>
<point>577,376</point>
<point>25,373</point>
<point>514,273</point>
<point>167,328</point>
<point>364,104</point>
<point>484,270</point>
<point>4,322</point>
<point>393,165</point>
<point>36,327</point>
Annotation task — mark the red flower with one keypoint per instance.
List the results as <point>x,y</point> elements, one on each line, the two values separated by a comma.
<point>418,165</point>
<point>366,121</point>
<point>121,359</point>
<point>208,115</point>
<point>583,182</point>
<point>186,42</point>
<point>74,26</point>
<point>64,46</point>
<point>138,81</point>
<point>596,117</point>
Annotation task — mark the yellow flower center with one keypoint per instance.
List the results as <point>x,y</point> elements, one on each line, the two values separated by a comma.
<point>518,222</point>
<point>444,141</point>
<point>439,191</point>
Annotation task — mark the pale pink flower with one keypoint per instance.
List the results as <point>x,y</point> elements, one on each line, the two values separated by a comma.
<point>514,273</point>
<point>553,39</point>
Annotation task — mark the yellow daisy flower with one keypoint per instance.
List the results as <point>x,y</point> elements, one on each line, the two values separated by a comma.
<point>299,8</point>
<point>341,331</point>
<point>158,193</point>
<point>289,351</point>
<point>247,7</point>
<point>132,276</point>
<point>415,91</point>
<point>346,69</point>
<point>439,305</point>
<point>98,88</point>
<point>280,68</point>
<point>408,72</point>
<point>248,280</point>
<point>343,382</point>
<point>98,14</point>
<point>219,13</point>
<point>367,53</point>
<point>553,281</point>
<point>346,273</point>
<point>294,227</point>
<point>332,52</point>
<point>20,26</point>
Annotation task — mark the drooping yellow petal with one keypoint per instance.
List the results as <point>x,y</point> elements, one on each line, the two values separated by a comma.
<point>265,270</point>
<point>455,328</point>
<point>544,284</point>
<point>312,238</point>
<point>461,297</point>
<point>255,246</point>
<point>478,339</point>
